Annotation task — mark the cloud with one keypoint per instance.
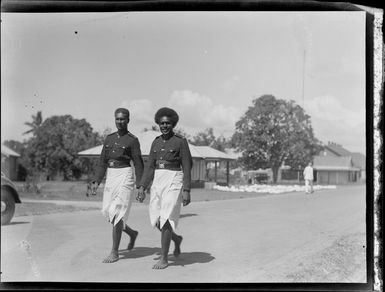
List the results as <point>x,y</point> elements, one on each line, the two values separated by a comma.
<point>141,112</point>
<point>198,112</point>
<point>334,122</point>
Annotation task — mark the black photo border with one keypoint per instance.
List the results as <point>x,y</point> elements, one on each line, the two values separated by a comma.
<point>373,203</point>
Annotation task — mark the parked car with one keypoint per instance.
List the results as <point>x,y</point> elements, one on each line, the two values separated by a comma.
<point>9,197</point>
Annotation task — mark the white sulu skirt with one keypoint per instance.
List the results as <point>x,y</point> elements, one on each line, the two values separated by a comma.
<point>118,194</point>
<point>166,198</point>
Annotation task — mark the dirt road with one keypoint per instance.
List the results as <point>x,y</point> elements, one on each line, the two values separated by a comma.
<point>285,238</point>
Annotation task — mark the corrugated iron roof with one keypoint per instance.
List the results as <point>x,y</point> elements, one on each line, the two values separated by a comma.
<point>94,151</point>
<point>338,149</point>
<point>8,151</point>
<point>208,152</point>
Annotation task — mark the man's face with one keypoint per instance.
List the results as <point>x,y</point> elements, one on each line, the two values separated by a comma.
<point>121,121</point>
<point>165,125</point>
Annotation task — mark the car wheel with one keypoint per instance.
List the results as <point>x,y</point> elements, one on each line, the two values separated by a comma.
<point>7,206</point>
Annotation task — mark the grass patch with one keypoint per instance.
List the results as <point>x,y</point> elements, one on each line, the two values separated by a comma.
<point>29,209</point>
<point>76,191</point>
<point>58,190</point>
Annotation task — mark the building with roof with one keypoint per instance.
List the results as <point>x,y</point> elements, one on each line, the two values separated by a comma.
<point>9,162</point>
<point>335,170</point>
<point>201,155</point>
<point>334,149</point>
<point>337,165</point>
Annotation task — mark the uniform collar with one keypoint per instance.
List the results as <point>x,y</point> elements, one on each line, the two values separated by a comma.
<point>121,133</point>
<point>168,136</point>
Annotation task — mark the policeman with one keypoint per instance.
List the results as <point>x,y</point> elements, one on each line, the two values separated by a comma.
<point>119,149</point>
<point>169,166</point>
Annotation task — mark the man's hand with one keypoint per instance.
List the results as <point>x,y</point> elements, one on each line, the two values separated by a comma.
<point>91,188</point>
<point>141,195</point>
<point>186,198</point>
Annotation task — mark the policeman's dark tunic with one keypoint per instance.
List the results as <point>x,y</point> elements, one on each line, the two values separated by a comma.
<point>169,166</point>
<point>117,153</point>
<point>170,153</point>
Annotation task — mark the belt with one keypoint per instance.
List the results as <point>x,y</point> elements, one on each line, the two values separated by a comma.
<point>170,165</point>
<point>118,163</point>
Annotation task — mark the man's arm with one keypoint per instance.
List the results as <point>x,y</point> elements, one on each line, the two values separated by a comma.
<point>186,161</point>
<point>102,166</point>
<point>148,174</point>
<point>149,169</point>
<point>136,156</point>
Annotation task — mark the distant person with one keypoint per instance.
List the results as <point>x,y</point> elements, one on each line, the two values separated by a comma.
<point>119,149</point>
<point>308,176</point>
<point>169,166</point>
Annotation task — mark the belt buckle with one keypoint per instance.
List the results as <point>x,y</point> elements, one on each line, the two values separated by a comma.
<point>111,163</point>
<point>161,165</point>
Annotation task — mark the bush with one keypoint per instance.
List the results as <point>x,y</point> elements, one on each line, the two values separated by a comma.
<point>32,184</point>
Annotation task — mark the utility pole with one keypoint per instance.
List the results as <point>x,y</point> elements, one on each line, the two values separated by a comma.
<point>303,78</point>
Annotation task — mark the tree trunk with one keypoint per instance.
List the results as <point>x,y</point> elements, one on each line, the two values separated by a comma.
<point>275,173</point>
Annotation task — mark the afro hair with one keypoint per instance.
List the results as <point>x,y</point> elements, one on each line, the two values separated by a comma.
<point>167,112</point>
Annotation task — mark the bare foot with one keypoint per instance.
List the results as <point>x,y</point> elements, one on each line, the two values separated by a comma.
<point>177,246</point>
<point>162,264</point>
<point>113,257</point>
<point>132,240</point>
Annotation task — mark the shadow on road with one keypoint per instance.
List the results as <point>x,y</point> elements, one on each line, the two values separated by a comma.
<point>187,215</point>
<point>138,252</point>
<point>189,258</point>
<point>15,223</point>
<point>184,259</point>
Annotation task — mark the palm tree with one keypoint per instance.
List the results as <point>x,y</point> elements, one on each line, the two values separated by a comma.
<point>35,124</point>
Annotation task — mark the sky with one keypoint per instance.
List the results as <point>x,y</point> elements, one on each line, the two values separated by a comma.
<point>208,66</point>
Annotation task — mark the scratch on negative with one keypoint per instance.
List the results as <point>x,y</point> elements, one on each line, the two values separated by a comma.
<point>26,246</point>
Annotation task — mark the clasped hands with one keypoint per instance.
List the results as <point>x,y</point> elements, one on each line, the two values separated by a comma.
<point>141,195</point>
<point>93,186</point>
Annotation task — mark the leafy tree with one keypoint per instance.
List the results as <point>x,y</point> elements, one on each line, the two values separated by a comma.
<point>53,148</point>
<point>105,133</point>
<point>220,143</point>
<point>207,138</point>
<point>181,132</point>
<point>35,124</point>
<point>273,131</point>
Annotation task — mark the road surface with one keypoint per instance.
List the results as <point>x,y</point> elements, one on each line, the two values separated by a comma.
<point>279,238</point>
